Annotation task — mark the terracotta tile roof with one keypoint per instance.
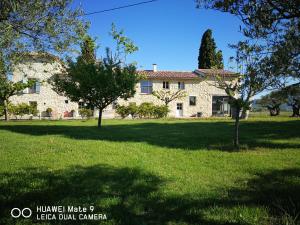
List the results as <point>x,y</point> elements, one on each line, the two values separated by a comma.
<point>168,74</point>
<point>150,74</point>
<point>215,71</point>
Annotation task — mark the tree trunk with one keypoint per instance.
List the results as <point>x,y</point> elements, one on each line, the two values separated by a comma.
<point>296,110</point>
<point>6,110</point>
<point>236,130</point>
<point>100,118</point>
<point>245,114</point>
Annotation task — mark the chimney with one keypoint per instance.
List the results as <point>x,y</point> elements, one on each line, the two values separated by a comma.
<point>154,67</point>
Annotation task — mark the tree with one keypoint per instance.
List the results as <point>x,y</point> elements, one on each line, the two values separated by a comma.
<point>272,102</point>
<point>8,89</point>
<point>248,84</point>
<point>33,25</point>
<point>292,94</point>
<point>208,57</point>
<point>168,96</point>
<point>275,23</point>
<point>100,83</point>
<point>44,26</point>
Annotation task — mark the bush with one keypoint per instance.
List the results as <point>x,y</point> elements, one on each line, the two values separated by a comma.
<point>145,110</point>
<point>49,111</point>
<point>160,111</point>
<point>132,109</point>
<point>86,113</point>
<point>122,110</point>
<point>22,109</point>
<point>1,110</point>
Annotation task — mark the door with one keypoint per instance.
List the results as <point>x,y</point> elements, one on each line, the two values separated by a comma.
<point>179,110</point>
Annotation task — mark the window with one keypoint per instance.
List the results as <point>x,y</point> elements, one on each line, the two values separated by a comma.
<point>35,88</point>
<point>179,106</point>
<point>181,85</point>
<point>192,100</point>
<point>166,85</point>
<point>146,87</point>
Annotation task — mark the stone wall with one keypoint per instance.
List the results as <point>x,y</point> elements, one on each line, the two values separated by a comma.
<point>42,69</point>
<point>202,89</point>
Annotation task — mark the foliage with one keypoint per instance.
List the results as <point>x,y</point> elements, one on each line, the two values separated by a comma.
<point>8,89</point>
<point>208,57</point>
<point>292,94</point>
<point>43,26</point>
<point>145,110</point>
<point>49,111</point>
<point>160,111</point>
<point>168,96</point>
<point>122,110</point>
<point>272,102</point>
<point>274,24</point>
<point>22,109</point>
<point>243,88</point>
<point>98,84</point>
<point>86,113</point>
<point>132,109</point>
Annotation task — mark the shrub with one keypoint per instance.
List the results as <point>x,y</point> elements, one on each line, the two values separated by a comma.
<point>22,109</point>
<point>86,113</point>
<point>49,111</point>
<point>160,111</point>
<point>132,109</point>
<point>122,110</point>
<point>145,110</point>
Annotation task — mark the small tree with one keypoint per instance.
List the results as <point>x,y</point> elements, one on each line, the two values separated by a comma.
<point>249,83</point>
<point>9,89</point>
<point>292,94</point>
<point>99,84</point>
<point>272,102</point>
<point>168,96</point>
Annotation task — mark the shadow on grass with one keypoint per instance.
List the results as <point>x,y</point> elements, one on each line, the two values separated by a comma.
<point>131,196</point>
<point>189,135</point>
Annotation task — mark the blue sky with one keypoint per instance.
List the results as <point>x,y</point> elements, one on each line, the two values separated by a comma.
<point>167,32</point>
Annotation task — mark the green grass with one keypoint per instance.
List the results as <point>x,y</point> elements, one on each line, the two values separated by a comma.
<point>154,171</point>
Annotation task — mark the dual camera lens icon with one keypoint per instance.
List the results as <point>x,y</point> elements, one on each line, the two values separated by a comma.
<point>25,213</point>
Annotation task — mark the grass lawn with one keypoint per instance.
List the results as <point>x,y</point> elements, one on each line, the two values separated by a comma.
<point>154,171</point>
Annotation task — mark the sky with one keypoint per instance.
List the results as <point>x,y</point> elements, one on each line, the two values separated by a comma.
<point>167,32</point>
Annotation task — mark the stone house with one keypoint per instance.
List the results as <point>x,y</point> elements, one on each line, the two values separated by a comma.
<point>202,99</point>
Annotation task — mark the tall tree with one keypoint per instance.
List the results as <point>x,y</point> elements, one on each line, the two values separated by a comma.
<point>34,25</point>
<point>98,83</point>
<point>208,57</point>
<point>276,24</point>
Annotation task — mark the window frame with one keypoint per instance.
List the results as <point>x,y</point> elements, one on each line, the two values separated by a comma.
<point>146,85</point>
<point>181,85</point>
<point>166,85</point>
<point>191,102</point>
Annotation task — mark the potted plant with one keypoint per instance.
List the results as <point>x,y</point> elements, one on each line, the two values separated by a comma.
<point>49,112</point>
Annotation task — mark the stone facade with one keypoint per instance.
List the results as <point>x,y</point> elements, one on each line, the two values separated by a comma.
<point>41,68</point>
<point>202,89</point>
